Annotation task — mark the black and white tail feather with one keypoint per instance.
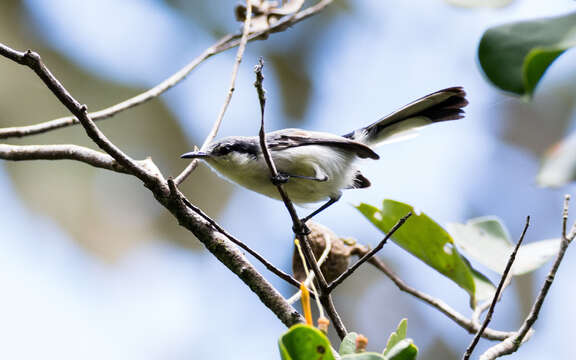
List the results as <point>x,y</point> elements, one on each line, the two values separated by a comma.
<point>442,105</point>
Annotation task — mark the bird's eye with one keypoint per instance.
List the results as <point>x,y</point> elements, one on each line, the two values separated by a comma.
<point>224,149</point>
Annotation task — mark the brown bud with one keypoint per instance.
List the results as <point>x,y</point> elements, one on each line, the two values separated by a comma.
<point>323,324</point>
<point>361,343</point>
<point>338,259</point>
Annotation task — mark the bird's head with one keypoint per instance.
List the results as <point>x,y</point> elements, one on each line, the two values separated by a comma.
<point>229,150</point>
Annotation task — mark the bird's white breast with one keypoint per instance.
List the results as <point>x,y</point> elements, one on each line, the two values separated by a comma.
<point>312,160</point>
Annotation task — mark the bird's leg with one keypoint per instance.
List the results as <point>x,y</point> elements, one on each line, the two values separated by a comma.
<point>282,178</point>
<point>319,179</point>
<point>321,208</point>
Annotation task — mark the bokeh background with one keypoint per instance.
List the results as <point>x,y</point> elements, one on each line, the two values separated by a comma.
<point>91,267</point>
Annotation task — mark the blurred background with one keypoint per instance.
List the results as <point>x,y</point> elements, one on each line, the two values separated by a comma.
<point>91,267</point>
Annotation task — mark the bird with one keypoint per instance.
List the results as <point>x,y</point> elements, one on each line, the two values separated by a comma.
<point>317,166</point>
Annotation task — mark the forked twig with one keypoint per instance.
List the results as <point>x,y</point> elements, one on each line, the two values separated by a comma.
<point>496,297</point>
<point>512,343</point>
<point>368,255</point>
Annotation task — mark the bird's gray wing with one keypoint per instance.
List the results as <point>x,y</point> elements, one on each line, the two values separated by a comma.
<point>290,138</point>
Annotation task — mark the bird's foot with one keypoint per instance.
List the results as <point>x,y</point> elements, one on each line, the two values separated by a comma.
<point>280,179</point>
<point>301,229</point>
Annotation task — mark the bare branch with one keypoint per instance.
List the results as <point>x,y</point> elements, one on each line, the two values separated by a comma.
<point>438,304</point>
<point>565,214</point>
<point>226,42</point>
<point>239,54</point>
<point>310,276</point>
<point>300,229</point>
<point>368,255</point>
<point>511,344</point>
<point>60,152</point>
<point>503,280</point>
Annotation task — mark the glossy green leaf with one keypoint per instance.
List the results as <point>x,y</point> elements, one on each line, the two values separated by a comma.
<point>425,239</point>
<point>515,56</point>
<point>487,241</point>
<point>304,342</point>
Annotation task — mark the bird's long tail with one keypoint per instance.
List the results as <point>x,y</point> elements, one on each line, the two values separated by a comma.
<point>439,106</point>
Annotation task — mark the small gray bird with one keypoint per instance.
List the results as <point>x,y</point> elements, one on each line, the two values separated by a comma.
<point>317,166</point>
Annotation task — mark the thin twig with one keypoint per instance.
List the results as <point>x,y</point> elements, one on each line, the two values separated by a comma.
<point>60,152</point>
<point>305,286</point>
<point>226,42</point>
<point>565,214</point>
<point>281,274</point>
<point>239,54</point>
<point>512,344</point>
<point>310,277</point>
<point>505,275</point>
<point>300,229</point>
<point>368,255</point>
<point>438,304</point>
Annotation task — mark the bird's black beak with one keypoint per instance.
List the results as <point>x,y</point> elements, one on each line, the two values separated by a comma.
<point>195,155</point>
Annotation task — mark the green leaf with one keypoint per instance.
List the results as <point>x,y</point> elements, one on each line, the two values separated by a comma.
<point>515,56</point>
<point>403,350</point>
<point>487,241</point>
<point>397,336</point>
<point>348,350</point>
<point>428,241</point>
<point>348,345</point>
<point>304,342</point>
<point>398,346</point>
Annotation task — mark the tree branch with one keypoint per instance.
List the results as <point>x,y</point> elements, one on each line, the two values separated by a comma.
<point>368,255</point>
<point>512,343</point>
<point>226,42</point>
<point>496,297</point>
<point>438,304</point>
<point>60,152</point>
<point>298,227</point>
